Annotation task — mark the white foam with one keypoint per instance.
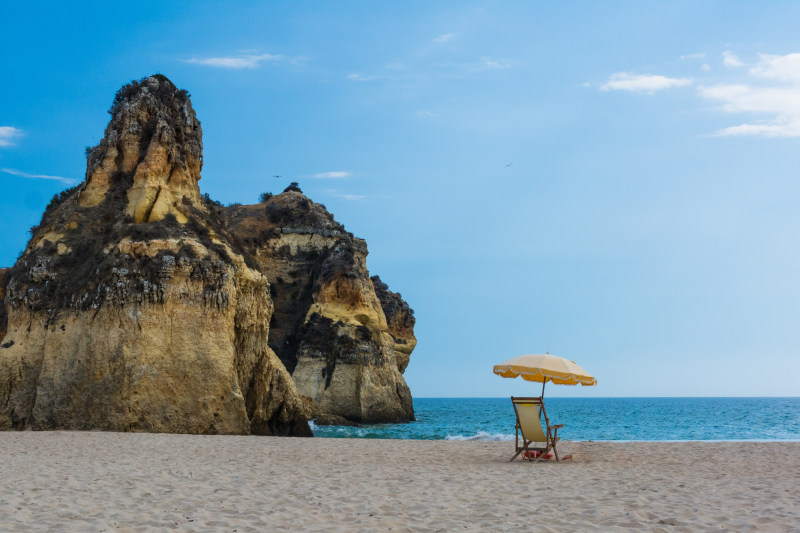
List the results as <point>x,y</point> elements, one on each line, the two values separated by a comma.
<point>481,436</point>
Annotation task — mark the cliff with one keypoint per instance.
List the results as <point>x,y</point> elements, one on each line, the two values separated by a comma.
<point>131,308</point>
<point>330,326</point>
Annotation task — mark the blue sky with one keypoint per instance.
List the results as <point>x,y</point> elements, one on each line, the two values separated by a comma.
<point>616,183</point>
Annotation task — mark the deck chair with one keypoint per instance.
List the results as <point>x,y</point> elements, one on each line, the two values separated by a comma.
<point>530,412</point>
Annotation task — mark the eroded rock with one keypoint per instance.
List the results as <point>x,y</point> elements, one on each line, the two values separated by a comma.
<point>141,305</point>
<point>131,309</point>
<point>329,328</point>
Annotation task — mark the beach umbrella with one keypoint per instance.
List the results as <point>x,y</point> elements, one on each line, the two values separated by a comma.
<point>543,368</point>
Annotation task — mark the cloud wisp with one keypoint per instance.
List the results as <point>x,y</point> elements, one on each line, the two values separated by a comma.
<point>344,196</point>
<point>239,61</point>
<point>491,64</point>
<point>642,83</point>
<point>696,55</point>
<point>19,173</point>
<point>395,72</point>
<point>334,174</point>
<point>8,134</point>
<point>354,76</point>
<point>731,60</point>
<point>445,38</point>
<point>779,100</point>
<point>357,197</point>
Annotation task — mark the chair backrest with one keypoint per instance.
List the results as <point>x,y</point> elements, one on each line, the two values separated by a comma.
<point>529,418</point>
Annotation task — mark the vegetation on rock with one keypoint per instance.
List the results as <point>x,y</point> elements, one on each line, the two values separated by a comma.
<point>293,186</point>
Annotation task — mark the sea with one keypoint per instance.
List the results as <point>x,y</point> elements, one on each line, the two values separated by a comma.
<point>595,419</point>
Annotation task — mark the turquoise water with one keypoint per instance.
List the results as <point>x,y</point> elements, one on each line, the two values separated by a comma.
<point>606,419</point>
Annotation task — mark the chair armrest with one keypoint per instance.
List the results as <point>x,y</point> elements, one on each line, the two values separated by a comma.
<point>557,426</point>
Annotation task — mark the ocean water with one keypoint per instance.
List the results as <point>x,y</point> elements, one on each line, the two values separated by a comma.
<point>597,419</point>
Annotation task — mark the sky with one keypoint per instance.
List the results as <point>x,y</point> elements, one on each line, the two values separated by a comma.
<point>616,183</point>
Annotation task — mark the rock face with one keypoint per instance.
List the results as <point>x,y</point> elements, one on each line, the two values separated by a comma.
<point>330,326</point>
<point>132,309</point>
<point>400,320</point>
<point>3,317</point>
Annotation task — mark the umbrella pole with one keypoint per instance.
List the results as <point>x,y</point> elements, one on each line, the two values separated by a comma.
<point>543,384</point>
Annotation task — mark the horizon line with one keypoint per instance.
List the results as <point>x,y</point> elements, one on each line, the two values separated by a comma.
<point>601,397</point>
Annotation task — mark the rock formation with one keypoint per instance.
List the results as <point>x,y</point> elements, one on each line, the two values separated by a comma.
<point>131,308</point>
<point>140,305</point>
<point>330,325</point>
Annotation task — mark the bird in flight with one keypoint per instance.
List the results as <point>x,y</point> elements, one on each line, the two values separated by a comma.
<point>508,165</point>
<point>276,176</point>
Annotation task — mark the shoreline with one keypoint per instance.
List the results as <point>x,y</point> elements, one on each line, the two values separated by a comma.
<point>445,439</point>
<point>100,481</point>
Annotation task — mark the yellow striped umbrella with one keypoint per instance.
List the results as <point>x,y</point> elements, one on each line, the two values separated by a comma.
<point>544,368</point>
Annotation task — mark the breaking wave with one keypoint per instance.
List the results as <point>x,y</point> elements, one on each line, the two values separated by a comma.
<point>481,436</point>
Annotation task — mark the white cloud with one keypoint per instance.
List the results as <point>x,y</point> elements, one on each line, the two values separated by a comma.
<point>240,61</point>
<point>495,63</point>
<point>774,67</point>
<point>764,130</point>
<point>7,134</point>
<point>444,38</point>
<point>777,105</point>
<point>480,65</point>
<point>705,66</point>
<point>336,174</point>
<point>731,60</point>
<point>360,77</point>
<point>21,174</point>
<point>645,83</point>
<point>343,196</point>
<point>696,55</point>
<point>781,103</point>
<point>769,92</point>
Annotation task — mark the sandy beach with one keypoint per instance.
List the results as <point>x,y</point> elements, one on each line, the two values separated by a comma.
<point>93,481</point>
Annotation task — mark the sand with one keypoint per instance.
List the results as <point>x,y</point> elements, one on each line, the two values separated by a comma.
<point>93,481</point>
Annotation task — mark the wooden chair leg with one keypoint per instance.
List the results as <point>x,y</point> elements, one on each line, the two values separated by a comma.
<point>555,440</point>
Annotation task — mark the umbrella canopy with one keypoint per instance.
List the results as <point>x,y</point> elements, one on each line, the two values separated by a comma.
<point>544,368</point>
